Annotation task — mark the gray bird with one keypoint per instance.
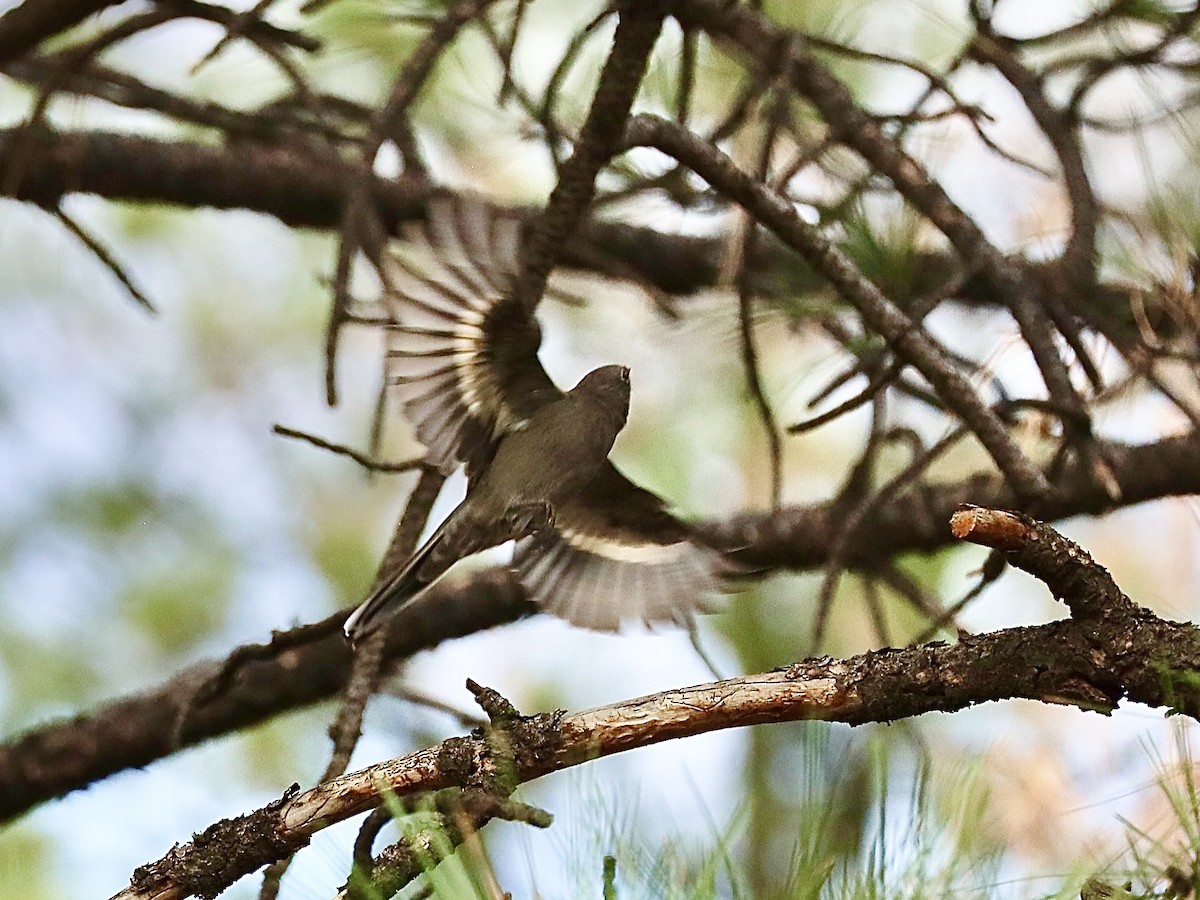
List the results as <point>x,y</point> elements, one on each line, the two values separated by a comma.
<point>592,547</point>
<point>535,470</point>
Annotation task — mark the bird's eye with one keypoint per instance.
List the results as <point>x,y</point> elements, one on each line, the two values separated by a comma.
<point>625,374</point>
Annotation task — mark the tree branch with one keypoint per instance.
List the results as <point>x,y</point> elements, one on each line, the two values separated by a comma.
<point>136,730</point>
<point>295,184</point>
<point>911,342</point>
<point>28,24</point>
<point>749,31</point>
<point>56,758</point>
<point>303,185</point>
<point>1115,650</point>
<point>637,31</point>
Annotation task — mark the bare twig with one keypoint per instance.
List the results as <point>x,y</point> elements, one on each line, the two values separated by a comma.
<point>367,462</point>
<point>775,121</point>
<point>1079,257</point>
<point>369,656</point>
<point>750,31</point>
<point>106,258</point>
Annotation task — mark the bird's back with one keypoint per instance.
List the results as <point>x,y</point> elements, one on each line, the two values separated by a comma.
<point>558,451</point>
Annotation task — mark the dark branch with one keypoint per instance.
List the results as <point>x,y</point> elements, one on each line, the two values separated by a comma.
<point>303,186</point>
<point>134,731</point>
<point>1092,663</point>
<point>62,756</point>
<point>28,24</point>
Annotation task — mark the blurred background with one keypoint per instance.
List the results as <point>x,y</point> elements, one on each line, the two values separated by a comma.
<point>149,517</point>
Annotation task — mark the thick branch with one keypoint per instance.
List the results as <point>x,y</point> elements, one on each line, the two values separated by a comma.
<point>62,756</point>
<point>134,731</point>
<point>1087,588</point>
<point>28,24</point>
<point>299,187</point>
<point>1090,664</point>
<point>304,187</point>
<point>799,537</point>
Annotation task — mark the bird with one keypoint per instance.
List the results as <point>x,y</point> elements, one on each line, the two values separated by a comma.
<point>591,546</point>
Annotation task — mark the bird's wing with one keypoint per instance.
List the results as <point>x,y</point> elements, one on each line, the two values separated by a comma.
<point>462,352</point>
<point>615,554</point>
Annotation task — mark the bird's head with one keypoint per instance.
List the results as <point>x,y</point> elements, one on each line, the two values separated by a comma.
<point>609,386</point>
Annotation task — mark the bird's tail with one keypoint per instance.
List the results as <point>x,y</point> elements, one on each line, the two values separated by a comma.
<point>396,590</point>
<point>456,537</point>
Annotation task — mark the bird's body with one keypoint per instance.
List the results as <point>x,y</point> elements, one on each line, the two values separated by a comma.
<point>580,428</point>
<point>535,468</point>
<point>592,547</point>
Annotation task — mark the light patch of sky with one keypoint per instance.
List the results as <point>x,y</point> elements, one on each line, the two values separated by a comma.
<point>1158,572</point>
<point>277,585</point>
<point>318,872</point>
<point>1026,18</point>
<point>144,812</point>
<point>56,584</point>
<point>216,455</point>
<point>39,459</point>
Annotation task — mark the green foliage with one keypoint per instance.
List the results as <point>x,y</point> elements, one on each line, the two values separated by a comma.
<point>1164,862</point>
<point>1157,12</point>
<point>41,676</point>
<point>269,755</point>
<point>368,38</point>
<point>344,558</point>
<point>885,249</point>
<point>846,838</point>
<point>1173,681</point>
<point>110,509</point>
<point>25,865</point>
<point>448,871</point>
<point>181,605</point>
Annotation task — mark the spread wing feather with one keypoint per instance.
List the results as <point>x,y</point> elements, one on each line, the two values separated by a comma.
<point>463,358</point>
<point>615,554</point>
<point>462,353</point>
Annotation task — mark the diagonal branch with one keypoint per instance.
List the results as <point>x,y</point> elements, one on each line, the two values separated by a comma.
<point>61,756</point>
<point>1079,256</point>
<point>1093,663</point>
<point>29,23</point>
<point>911,342</point>
<point>135,730</point>
<point>749,31</point>
<point>600,139</point>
